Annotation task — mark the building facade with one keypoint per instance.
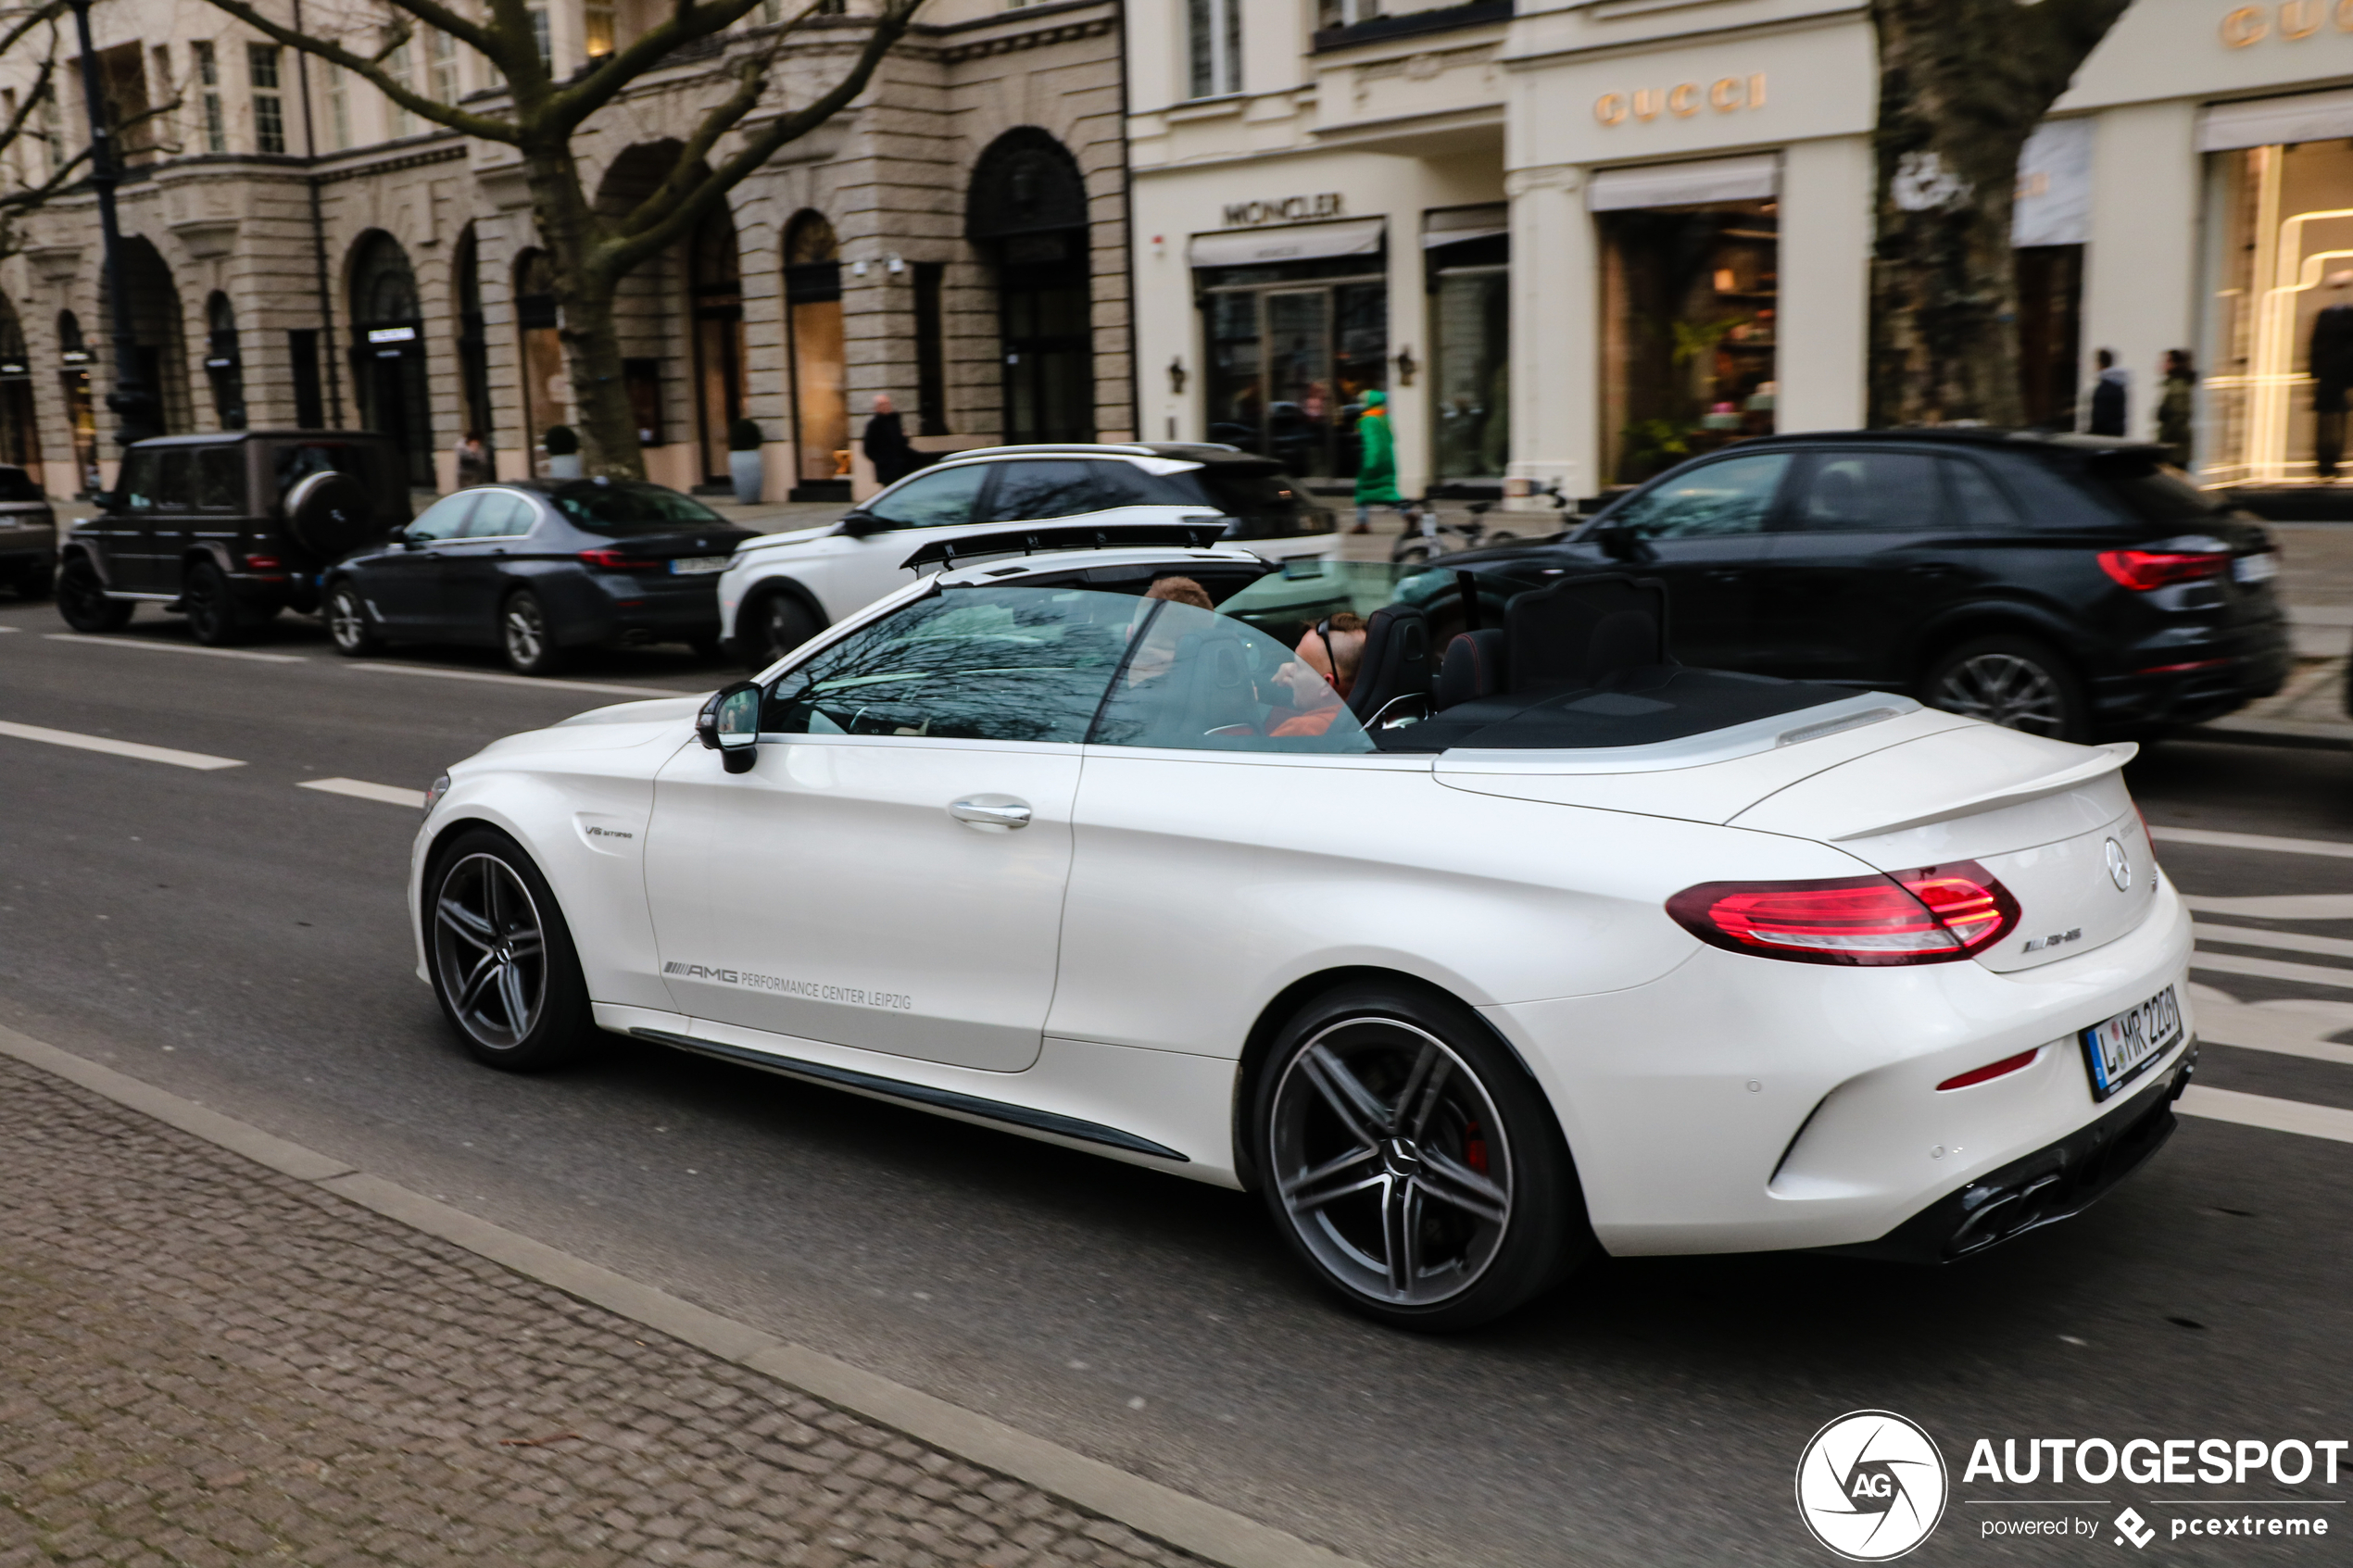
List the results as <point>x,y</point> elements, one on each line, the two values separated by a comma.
<point>1574,240</point>
<point>302,252</point>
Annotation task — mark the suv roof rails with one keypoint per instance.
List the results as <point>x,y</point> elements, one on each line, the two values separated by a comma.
<point>1126,448</point>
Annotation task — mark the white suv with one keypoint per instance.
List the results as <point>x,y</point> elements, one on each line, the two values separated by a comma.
<point>782,589</point>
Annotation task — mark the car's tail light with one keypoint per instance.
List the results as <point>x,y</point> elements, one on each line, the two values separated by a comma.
<point>617,560</point>
<point>1931,915</point>
<point>2144,570</point>
<point>263,563</point>
<point>1991,1070</point>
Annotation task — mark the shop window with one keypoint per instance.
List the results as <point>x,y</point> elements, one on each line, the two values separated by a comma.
<point>81,412</point>
<point>2050,296</point>
<point>931,351</point>
<point>1689,298</point>
<point>719,337</point>
<point>1468,253</point>
<point>546,394</point>
<point>812,317</point>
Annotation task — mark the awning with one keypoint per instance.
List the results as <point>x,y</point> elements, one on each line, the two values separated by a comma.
<point>2263,122</point>
<point>1460,225</point>
<point>1753,178</point>
<point>1290,242</point>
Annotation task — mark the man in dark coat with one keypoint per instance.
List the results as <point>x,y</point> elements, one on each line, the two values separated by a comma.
<point>886,445</point>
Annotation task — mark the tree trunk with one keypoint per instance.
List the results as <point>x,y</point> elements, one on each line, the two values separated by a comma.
<point>586,286</point>
<point>1963,83</point>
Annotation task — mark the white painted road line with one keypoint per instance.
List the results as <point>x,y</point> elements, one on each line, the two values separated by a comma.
<point>2272,969</point>
<point>2287,941</point>
<point>173,647</point>
<point>113,748</point>
<point>2276,906</point>
<point>359,789</point>
<point>7,629</point>
<point>2330,847</point>
<point>2273,1029</point>
<point>2263,1110</point>
<point>519,680</point>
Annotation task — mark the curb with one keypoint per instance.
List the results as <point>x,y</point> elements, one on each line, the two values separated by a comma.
<point>1165,1514</point>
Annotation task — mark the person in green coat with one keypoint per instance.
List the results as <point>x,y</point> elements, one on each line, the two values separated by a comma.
<point>1376,460</point>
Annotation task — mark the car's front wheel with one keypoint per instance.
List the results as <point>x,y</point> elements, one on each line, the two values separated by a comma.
<point>529,641</point>
<point>2018,681</point>
<point>81,599</point>
<point>501,957</point>
<point>349,626</point>
<point>1411,1163</point>
<point>771,626</point>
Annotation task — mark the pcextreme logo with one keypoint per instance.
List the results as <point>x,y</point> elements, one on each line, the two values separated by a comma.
<point>1871,1486</point>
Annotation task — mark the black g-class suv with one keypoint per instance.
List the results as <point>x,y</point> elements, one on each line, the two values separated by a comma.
<point>230,529</point>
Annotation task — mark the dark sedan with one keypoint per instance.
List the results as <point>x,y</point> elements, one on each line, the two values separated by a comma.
<point>2069,586</point>
<point>537,570</point>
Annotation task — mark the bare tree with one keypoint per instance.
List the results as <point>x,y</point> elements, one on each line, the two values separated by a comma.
<point>591,251</point>
<point>1962,85</point>
<point>35,34</point>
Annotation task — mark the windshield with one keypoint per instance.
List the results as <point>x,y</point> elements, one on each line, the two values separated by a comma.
<point>2153,492</point>
<point>630,505</point>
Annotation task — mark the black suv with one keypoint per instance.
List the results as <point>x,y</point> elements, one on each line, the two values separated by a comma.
<point>2066,585</point>
<point>230,529</point>
<point>28,534</point>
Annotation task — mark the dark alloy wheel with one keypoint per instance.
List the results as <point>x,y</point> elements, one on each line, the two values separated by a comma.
<point>2013,680</point>
<point>502,958</point>
<point>81,599</point>
<point>525,635</point>
<point>349,626</point>
<point>771,626</point>
<point>212,610</point>
<point>1411,1164</point>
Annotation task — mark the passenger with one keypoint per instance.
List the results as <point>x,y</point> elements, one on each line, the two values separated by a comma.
<point>1321,677</point>
<point>1180,590</point>
<point>1159,650</point>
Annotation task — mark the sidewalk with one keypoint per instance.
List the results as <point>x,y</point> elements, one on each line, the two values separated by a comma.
<point>204,1362</point>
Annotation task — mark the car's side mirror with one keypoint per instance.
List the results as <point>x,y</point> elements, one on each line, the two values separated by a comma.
<point>1617,541</point>
<point>409,540</point>
<point>860,525</point>
<point>729,724</point>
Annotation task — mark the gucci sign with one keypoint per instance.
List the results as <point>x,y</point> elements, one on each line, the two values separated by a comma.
<point>2290,21</point>
<point>1726,95</point>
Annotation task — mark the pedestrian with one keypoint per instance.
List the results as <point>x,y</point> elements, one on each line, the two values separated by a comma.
<point>2173,406</point>
<point>473,460</point>
<point>887,448</point>
<point>2107,397</point>
<point>1376,460</point>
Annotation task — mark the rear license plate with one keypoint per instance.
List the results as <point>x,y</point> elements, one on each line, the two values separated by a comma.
<point>694,565</point>
<point>2123,1048</point>
<point>2260,568</point>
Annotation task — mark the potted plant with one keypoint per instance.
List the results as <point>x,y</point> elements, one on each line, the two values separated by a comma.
<point>563,452</point>
<point>743,459</point>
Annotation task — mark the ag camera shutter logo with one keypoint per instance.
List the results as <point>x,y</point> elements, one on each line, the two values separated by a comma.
<point>1871,1486</point>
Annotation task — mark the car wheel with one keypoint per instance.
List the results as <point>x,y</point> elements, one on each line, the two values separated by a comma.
<point>525,635</point>
<point>501,957</point>
<point>349,626</point>
<point>211,609</point>
<point>772,626</point>
<point>81,599</point>
<point>2016,681</point>
<point>1411,1164</point>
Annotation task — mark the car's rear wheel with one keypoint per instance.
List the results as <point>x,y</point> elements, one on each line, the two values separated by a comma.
<point>1411,1163</point>
<point>525,635</point>
<point>771,626</point>
<point>349,626</point>
<point>212,610</point>
<point>501,957</point>
<point>2018,681</point>
<point>81,599</point>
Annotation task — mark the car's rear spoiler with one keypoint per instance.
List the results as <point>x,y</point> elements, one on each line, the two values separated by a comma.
<point>1029,538</point>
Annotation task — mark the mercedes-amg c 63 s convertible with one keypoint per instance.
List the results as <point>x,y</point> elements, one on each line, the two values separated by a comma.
<point>1486,958</point>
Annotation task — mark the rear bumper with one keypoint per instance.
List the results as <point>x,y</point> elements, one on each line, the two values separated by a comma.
<point>610,607</point>
<point>2193,684</point>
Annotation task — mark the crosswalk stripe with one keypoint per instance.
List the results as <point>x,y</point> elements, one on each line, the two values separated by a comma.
<point>2275,906</point>
<point>113,748</point>
<point>2272,1029</point>
<point>174,647</point>
<point>2289,941</point>
<point>359,789</point>
<point>2214,840</point>
<point>2263,1110</point>
<point>2272,969</point>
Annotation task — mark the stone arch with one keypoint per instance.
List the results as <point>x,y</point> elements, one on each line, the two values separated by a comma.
<point>158,330</point>
<point>1025,212</point>
<point>813,339</point>
<point>19,429</point>
<point>660,336</point>
<point>389,350</point>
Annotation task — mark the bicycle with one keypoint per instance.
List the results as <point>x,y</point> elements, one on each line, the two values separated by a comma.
<point>1424,536</point>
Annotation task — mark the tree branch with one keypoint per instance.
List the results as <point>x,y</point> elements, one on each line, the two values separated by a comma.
<point>31,19</point>
<point>687,170</point>
<point>686,23</point>
<point>458,120</point>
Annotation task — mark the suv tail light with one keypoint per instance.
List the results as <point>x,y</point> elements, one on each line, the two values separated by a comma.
<point>612,559</point>
<point>2144,570</point>
<point>1931,915</point>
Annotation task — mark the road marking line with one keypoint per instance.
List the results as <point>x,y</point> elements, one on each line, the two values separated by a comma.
<point>519,680</point>
<point>2253,936</point>
<point>2274,1030</point>
<point>2272,969</point>
<point>173,647</point>
<point>2263,1110</point>
<point>359,789</point>
<point>2254,841</point>
<point>117,748</point>
<point>2276,906</point>
<point>7,628</point>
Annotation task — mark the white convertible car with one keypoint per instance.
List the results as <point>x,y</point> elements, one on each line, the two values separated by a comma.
<point>1547,945</point>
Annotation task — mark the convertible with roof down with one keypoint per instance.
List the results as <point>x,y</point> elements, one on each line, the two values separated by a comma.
<point>1472,961</point>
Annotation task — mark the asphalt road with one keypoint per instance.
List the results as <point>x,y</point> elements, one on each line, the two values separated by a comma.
<point>242,940</point>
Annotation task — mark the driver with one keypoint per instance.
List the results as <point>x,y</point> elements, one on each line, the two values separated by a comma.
<point>1321,675</point>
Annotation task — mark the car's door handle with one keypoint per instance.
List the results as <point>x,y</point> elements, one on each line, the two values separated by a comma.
<point>1725,574</point>
<point>999,812</point>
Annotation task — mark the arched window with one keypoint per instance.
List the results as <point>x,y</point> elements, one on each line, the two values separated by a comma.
<point>19,435</point>
<point>473,339</point>
<point>1026,211</point>
<point>221,363</point>
<point>81,412</point>
<point>544,395</point>
<point>812,310</point>
<point>716,271</point>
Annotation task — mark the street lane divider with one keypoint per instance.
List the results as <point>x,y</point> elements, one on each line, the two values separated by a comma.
<point>2274,906</point>
<point>2273,1029</point>
<point>536,680</point>
<point>359,789</point>
<point>2263,1110</point>
<point>113,748</point>
<point>173,647</point>
<point>2287,941</point>
<point>2272,969</point>
<point>2213,840</point>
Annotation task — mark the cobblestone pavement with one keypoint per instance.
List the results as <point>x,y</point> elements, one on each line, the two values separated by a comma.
<point>203,1362</point>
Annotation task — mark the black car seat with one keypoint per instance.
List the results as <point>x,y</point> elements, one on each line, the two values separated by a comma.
<point>1472,669</point>
<point>1396,660</point>
<point>1583,632</point>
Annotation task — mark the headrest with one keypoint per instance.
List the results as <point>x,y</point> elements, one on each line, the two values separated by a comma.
<point>1579,633</point>
<point>1396,660</point>
<point>1473,669</point>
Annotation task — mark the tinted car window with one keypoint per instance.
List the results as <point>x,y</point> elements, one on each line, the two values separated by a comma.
<point>446,519</point>
<point>630,505</point>
<point>138,486</point>
<point>941,499</point>
<point>1732,497</point>
<point>1246,492</point>
<point>500,514</point>
<point>1008,664</point>
<point>2153,492</point>
<point>220,478</point>
<point>1044,488</point>
<point>17,485</point>
<point>1196,680</point>
<point>1976,500</point>
<point>175,488</point>
<point>1869,493</point>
